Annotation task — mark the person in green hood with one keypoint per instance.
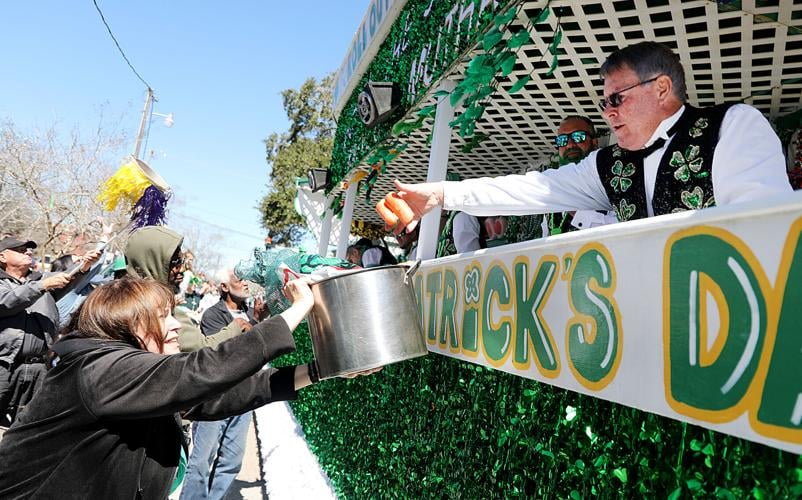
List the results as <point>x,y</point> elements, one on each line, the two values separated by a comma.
<point>155,252</point>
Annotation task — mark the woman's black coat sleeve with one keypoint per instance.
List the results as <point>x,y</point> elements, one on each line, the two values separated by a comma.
<point>269,384</point>
<point>132,383</point>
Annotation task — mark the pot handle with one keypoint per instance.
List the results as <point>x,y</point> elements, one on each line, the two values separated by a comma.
<point>411,271</point>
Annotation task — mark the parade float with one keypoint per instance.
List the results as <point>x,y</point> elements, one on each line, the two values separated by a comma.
<point>656,357</point>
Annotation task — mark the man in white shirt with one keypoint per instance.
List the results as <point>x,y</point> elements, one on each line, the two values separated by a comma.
<point>663,162</point>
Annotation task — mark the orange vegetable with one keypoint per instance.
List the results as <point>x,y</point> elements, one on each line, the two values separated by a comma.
<point>390,219</point>
<point>400,208</point>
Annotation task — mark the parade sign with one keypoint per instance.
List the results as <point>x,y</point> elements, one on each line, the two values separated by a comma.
<point>694,316</point>
<point>371,33</point>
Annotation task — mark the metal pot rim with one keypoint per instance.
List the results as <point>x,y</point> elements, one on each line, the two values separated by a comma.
<point>405,265</point>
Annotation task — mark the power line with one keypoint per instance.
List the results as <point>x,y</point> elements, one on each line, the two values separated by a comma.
<point>103,18</point>
<point>217,226</point>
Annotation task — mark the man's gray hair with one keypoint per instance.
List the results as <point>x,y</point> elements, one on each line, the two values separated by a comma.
<point>648,60</point>
<point>223,275</point>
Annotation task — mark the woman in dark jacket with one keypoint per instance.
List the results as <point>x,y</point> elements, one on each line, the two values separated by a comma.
<point>106,425</point>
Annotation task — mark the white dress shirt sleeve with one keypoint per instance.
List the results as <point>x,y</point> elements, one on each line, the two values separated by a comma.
<point>574,186</point>
<point>748,163</point>
<point>586,219</point>
<point>465,229</point>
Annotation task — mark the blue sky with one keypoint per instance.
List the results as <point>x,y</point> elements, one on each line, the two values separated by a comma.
<point>217,66</point>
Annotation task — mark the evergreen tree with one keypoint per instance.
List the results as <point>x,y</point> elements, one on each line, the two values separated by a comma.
<point>307,144</point>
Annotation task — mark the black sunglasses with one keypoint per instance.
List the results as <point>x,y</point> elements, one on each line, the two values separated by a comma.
<point>615,99</point>
<point>578,136</point>
<point>176,261</point>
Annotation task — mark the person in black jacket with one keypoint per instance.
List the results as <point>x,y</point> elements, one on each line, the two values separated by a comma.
<point>218,447</point>
<point>106,422</point>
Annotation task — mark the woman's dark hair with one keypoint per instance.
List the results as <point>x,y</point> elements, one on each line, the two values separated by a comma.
<point>121,308</point>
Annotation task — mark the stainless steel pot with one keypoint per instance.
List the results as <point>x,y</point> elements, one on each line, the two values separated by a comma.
<point>365,319</point>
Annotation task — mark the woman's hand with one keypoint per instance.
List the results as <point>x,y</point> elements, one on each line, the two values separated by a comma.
<point>299,293</point>
<point>88,260</point>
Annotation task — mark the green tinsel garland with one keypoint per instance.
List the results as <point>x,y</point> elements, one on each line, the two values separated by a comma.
<point>436,427</point>
<point>353,140</point>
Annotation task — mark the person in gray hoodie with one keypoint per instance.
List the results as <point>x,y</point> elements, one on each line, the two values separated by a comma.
<point>155,252</point>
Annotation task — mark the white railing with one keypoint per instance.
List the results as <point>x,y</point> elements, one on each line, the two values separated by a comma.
<point>696,316</point>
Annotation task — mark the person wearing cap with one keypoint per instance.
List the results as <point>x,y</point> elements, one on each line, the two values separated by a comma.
<point>28,322</point>
<point>119,267</point>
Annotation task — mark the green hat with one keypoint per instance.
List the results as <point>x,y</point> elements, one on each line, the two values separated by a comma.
<point>119,263</point>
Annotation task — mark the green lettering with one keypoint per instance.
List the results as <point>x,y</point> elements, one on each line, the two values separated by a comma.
<point>470,315</point>
<point>448,327</point>
<point>530,326</point>
<point>433,287</point>
<point>594,335</point>
<point>717,384</point>
<point>781,403</point>
<point>496,341</point>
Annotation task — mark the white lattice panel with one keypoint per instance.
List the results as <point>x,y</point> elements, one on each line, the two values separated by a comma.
<point>753,54</point>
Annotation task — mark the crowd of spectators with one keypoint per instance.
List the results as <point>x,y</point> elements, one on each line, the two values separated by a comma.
<point>38,360</point>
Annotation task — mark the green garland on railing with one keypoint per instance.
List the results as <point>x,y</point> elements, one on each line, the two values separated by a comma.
<point>436,427</point>
<point>419,24</point>
<point>481,80</point>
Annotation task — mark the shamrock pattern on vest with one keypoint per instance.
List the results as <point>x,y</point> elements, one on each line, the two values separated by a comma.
<point>621,173</point>
<point>694,200</point>
<point>624,211</point>
<point>688,164</point>
<point>698,128</point>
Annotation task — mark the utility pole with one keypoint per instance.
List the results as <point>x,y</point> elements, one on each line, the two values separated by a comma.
<point>143,122</point>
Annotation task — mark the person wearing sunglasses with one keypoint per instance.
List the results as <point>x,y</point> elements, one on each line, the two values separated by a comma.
<point>155,252</point>
<point>28,321</point>
<point>665,150</point>
<point>575,139</point>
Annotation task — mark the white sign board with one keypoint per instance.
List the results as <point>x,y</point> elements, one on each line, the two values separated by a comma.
<point>694,316</point>
<point>376,24</point>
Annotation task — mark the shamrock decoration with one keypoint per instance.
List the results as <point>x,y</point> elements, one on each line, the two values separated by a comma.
<point>687,164</point>
<point>693,199</point>
<point>697,128</point>
<point>622,173</point>
<point>624,211</point>
<point>472,286</point>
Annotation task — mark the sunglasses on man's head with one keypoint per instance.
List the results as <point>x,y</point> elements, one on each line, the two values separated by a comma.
<point>616,99</point>
<point>578,136</point>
